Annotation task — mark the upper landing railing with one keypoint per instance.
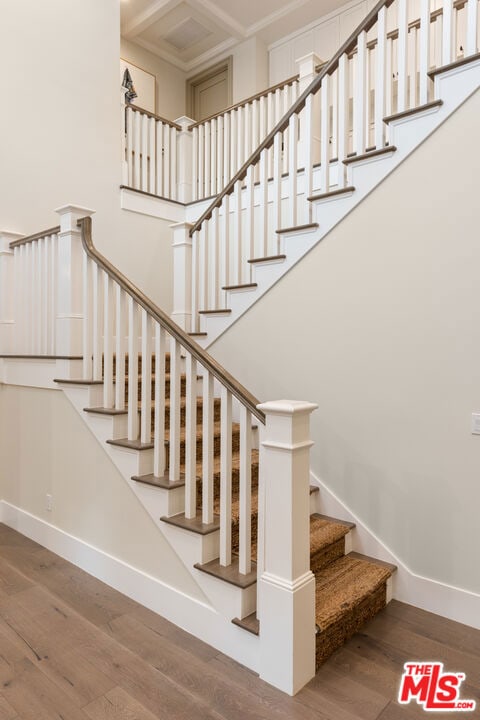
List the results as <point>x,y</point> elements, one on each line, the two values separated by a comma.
<point>161,161</point>
<point>385,68</point>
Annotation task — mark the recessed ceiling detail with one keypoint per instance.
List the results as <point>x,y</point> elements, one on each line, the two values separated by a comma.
<point>186,34</point>
<point>189,33</point>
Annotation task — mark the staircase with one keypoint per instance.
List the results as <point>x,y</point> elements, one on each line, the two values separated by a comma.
<point>350,588</point>
<point>225,478</point>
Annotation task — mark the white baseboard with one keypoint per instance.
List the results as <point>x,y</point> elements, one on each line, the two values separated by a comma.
<point>190,614</point>
<point>451,602</point>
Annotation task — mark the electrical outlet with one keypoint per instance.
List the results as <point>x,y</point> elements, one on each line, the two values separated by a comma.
<point>49,502</point>
<point>476,423</point>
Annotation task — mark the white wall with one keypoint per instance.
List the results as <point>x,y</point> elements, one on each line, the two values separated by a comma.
<point>169,80</point>
<point>250,69</point>
<point>46,448</point>
<point>60,132</point>
<point>380,325</point>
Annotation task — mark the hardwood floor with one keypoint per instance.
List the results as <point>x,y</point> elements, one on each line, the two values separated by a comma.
<point>72,648</point>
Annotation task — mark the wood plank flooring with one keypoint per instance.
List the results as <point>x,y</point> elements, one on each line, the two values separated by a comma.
<point>71,648</point>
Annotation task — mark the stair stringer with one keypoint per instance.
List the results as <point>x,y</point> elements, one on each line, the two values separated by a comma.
<point>453,86</point>
<point>223,600</point>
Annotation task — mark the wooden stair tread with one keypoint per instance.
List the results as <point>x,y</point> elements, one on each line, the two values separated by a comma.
<point>250,623</point>
<point>230,574</point>
<point>297,228</point>
<point>453,65</point>
<point>369,154</point>
<point>332,193</point>
<point>131,444</point>
<point>105,411</point>
<point>217,311</point>
<point>268,258</point>
<point>245,286</point>
<point>413,111</point>
<point>343,585</point>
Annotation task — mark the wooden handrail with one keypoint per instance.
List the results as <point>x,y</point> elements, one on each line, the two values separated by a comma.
<point>367,23</point>
<point>206,360</point>
<point>155,117</point>
<point>36,236</point>
<point>249,100</point>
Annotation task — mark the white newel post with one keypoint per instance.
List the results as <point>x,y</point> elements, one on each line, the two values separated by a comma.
<point>182,274</point>
<point>69,315</point>
<point>286,591</point>
<point>184,160</point>
<point>7,319</point>
<point>306,67</point>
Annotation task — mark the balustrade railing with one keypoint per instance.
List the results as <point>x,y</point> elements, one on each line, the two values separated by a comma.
<point>150,152</point>
<point>182,404</point>
<point>155,161</point>
<point>35,293</point>
<point>383,69</point>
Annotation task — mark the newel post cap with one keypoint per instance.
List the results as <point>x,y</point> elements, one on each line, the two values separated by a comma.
<point>70,214</point>
<point>287,407</point>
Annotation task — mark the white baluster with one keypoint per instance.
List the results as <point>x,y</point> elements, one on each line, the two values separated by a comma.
<point>424,49</point>
<point>380,59</point>
<point>108,331</point>
<point>359,96</point>
<point>97,321</point>
<point>213,263</point>
<point>159,401</point>
<point>152,155</point>
<point>167,187</point>
<point>292,169</point>
<point>207,449</point>
<point>173,163</point>
<point>226,148</point>
<point>324,133</point>
<point>412,60</point>
<point>201,162</point>
<point>53,293</point>
<point>160,159</point>
<point>120,339</point>
<point>195,279</point>
<point>132,369</point>
<point>226,479</point>
<point>144,156</point>
<point>225,244</point>
<point>174,435</point>
<point>87,318</point>
<point>221,181</point>
<point>44,287</point>
<point>402,55</point>
<point>191,438</point>
<point>195,164</point>
<point>307,152</point>
<point>233,142</point>
<point>237,233</point>
<point>245,520</point>
<point>146,402</point>
<point>137,119</point>
<point>250,217</point>
<point>447,32</point>
<point>472,27</point>
<point>208,159</point>
<point>240,137</point>
<point>213,157</point>
<point>277,187</point>
<point>263,207</point>
<point>343,119</point>
<point>130,144</point>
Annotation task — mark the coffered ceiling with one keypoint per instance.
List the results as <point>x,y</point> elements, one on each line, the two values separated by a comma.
<point>189,33</point>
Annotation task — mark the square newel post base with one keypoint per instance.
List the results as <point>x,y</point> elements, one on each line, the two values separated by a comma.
<point>182,274</point>
<point>69,318</point>
<point>286,592</point>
